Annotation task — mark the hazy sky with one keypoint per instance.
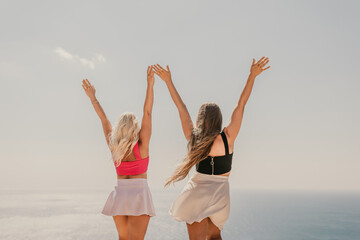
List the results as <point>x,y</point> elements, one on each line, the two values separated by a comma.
<point>301,124</point>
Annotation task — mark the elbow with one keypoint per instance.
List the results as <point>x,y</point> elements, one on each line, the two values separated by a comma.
<point>241,104</point>
<point>104,120</point>
<point>147,112</point>
<point>182,108</point>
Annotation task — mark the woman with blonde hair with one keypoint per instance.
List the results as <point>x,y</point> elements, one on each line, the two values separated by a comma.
<point>130,204</point>
<point>204,203</point>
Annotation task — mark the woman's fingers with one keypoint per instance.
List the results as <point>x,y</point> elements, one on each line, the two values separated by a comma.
<point>87,83</point>
<point>266,68</point>
<point>151,71</point>
<point>261,63</point>
<point>264,63</point>
<point>260,60</point>
<point>148,70</point>
<point>161,67</point>
<point>157,68</point>
<point>156,71</point>
<point>161,72</point>
<point>259,66</point>
<point>85,87</point>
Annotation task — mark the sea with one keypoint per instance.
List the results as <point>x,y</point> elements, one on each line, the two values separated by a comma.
<point>255,215</point>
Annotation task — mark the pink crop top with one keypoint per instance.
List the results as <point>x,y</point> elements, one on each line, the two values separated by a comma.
<point>138,166</point>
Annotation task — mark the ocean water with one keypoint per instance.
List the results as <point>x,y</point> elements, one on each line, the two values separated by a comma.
<point>265,215</point>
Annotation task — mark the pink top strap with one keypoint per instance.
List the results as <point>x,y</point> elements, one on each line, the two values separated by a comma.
<point>137,151</point>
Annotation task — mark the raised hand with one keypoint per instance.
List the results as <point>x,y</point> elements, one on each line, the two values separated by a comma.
<point>165,75</point>
<point>89,89</point>
<point>145,130</point>
<point>185,118</point>
<point>150,75</point>
<point>257,68</point>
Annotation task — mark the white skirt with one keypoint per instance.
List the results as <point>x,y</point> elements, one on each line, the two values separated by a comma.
<point>203,196</point>
<point>131,197</point>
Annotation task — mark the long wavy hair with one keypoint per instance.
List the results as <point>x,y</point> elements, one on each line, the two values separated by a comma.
<point>208,126</point>
<point>123,137</point>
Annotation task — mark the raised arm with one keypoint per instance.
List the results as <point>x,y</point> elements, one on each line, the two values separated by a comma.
<point>145,132</point>
<point>233,128</point>
<point>90,91</point>
<point>186,123</point>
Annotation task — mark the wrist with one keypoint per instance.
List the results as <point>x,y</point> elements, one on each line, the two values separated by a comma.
<point>252,75</point>
<point>93,99</point>
<point>168,81</point>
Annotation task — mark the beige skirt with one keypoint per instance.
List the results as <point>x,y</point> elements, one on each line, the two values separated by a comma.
<point>131,197</point>
<point>203,196</point>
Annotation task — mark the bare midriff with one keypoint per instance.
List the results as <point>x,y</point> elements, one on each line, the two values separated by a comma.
<point>142,175</point>
<point>225,174</point>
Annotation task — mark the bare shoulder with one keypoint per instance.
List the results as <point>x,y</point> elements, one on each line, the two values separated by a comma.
<point>218,140</point>
<point>217,148</point>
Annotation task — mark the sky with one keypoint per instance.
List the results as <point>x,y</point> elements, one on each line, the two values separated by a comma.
<point>300,127</point>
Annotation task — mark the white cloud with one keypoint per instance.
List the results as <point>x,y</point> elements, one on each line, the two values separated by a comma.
<point>65,55</point>
<point>100,57</point>
<point>87,62</point>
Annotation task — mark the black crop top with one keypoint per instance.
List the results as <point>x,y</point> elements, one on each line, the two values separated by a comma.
<point>216,165</point>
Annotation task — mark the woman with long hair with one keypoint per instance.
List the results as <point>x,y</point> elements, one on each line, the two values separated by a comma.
<point>204,203</point>
<point>130,204</point>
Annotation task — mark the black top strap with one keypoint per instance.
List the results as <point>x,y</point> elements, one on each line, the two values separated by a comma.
<point>225,143</point>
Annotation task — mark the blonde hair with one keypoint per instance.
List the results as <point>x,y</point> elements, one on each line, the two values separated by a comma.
<point>124,136</point>
<point>208,127</point>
